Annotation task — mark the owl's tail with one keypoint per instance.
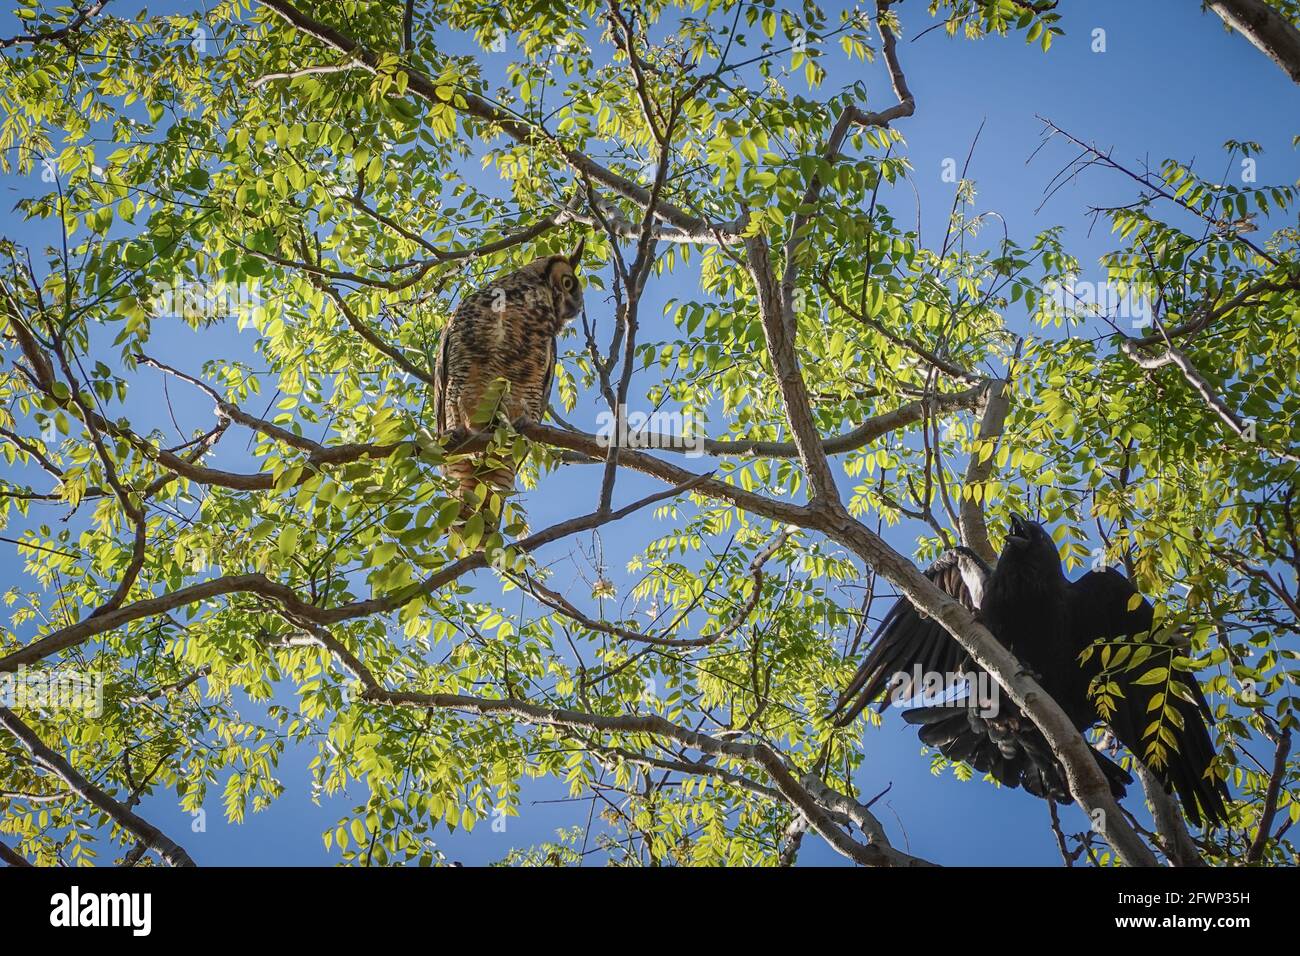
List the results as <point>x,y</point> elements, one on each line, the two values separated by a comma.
<point>481,487</point>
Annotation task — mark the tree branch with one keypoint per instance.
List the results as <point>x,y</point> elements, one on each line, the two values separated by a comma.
<point>60,34</point>
<point>147,833</point>
<point>517,129</point>
<point>10,857</point>
<point>974,530</point>
<point>1170,827</point>
<point>1268,30</point>
<point>1282,749</point>
<point>784,781</point>
<point>1199,384</point>
<point>288,599</point>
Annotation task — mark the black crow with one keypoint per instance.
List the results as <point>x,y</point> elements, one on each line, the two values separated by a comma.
<point>1052,626</point>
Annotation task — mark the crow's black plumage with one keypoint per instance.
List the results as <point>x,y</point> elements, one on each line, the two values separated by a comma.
<point>1047,622</point>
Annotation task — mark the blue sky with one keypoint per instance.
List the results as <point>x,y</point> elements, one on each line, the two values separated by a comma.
<point>1171,83</point>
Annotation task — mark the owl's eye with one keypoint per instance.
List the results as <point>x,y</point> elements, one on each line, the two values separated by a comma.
<point>567,283</point>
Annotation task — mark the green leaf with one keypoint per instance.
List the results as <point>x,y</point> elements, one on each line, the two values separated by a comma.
<point>1157,675</point>
<point>288,541</point>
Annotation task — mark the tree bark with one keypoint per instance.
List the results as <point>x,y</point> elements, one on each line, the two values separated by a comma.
<point>1175,840</point>
<point>1270,32</point>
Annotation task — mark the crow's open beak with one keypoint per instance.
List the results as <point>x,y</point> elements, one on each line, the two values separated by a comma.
<point>1019,531</point>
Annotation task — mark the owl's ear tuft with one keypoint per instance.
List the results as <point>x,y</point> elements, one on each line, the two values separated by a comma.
<point>575,257</point>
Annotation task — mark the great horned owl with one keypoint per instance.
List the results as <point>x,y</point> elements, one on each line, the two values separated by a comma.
<point>505,330</point>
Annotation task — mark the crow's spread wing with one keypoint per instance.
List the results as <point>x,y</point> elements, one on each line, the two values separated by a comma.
<point>907,639</point>
<point>1007,746</point>
<point>993,736</point>
<point>1101,608</point>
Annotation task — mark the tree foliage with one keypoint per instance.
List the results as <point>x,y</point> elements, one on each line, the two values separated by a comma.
<point>287,574</point>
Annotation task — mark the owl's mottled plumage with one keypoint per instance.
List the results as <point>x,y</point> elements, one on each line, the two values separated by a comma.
<point>505,330</point>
